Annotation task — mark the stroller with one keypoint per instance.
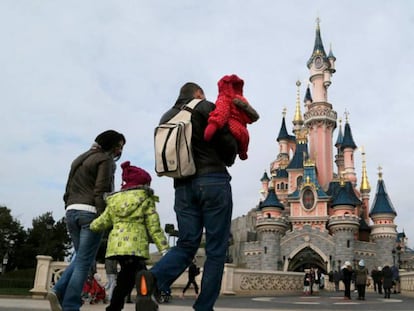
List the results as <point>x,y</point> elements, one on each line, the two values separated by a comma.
<point>93,292</point>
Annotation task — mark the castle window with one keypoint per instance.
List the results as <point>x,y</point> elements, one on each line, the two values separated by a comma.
<point>268,215</point>
<point>277,186</point>
<point>348,243</point>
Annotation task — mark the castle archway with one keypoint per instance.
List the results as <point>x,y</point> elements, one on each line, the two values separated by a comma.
<point>305,259</point>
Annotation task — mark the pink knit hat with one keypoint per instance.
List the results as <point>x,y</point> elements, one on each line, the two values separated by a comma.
<point>133,176</point>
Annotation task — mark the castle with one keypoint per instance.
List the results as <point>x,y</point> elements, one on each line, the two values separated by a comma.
<point>312,212</point>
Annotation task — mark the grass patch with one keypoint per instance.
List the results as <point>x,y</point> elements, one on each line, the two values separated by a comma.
<point>15,291</point>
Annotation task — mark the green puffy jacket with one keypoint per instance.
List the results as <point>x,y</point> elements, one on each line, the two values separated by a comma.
<point>131,214</point>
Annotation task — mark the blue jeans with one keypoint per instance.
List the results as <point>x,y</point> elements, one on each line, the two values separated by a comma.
<point>86,243</point>
<point>204,202</point>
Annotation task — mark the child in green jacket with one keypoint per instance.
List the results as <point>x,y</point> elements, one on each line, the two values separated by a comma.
<point>132,215</point>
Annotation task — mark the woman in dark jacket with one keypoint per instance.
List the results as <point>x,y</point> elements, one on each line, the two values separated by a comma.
<point>347,273</point>
<point>387,281</point>
<point>91,176</point>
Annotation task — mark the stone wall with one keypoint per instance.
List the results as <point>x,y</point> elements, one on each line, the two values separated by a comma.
<point>236,281</point>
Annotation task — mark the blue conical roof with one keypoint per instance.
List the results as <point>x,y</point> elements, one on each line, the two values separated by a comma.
<point>382,203</point>
<point>300,153</point>
<point>340,138</point>
<point>265,177</point>
<point>271,200</point>
<point>348,141</point>
<point>283,134</point>
<point>308,96</point>
<point>318,48</point>
<point>343,198</point>
<point>343,194</point>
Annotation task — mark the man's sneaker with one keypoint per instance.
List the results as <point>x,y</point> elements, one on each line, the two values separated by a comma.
<point>146,287</point>
<point>54,301</point>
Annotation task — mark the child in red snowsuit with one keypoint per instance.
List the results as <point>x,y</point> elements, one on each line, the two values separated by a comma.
<point>234,110</point>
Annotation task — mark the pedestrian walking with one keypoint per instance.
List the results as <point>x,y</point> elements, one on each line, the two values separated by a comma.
<point>132,215</point>
<point>193,271</point>
<point>361,276</point>
<point>203,203</point>
<point>91,176</point>
<point>347,274</point>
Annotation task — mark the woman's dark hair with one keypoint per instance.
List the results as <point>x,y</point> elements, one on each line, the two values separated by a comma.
<point>109,139</point>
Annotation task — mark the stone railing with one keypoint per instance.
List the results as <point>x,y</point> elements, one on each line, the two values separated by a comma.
<point>407,283</point>
<point>236,281</point>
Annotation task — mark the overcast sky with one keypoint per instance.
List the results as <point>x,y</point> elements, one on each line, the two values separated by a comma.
<point>72,69</point>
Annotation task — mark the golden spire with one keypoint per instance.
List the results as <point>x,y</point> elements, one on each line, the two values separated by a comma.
<point>284,111</point>
<point>364,181</point>
<point>298,115</point>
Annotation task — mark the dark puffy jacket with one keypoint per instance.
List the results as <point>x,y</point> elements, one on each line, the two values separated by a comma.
<point>386,277</point>
<point>213,156</point>
<point>91,175</point>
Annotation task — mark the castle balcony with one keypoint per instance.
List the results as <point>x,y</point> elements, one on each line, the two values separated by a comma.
<point>346,221</point>
<point>271,224</point>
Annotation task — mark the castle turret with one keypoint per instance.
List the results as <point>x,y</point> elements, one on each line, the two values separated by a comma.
<point>348,147</point>
<point>320,118</point>
<point>384,231</point>
<point>339,158</point>
<point>265,183</point>
<point>343,223</point>
<point>271,226</point>
<point>286,144</point>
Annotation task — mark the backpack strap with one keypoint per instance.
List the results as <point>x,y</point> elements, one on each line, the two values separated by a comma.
<point>191,105</point>
<point>185,110</point>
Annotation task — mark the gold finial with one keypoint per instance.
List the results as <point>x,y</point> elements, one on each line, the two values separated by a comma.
<point>379,172</point>
<point>309,163</point>
<point>365,187</point>
<point>284,111</point>
<point>342,179</point>
<point>298,115</point>
<point>340,122</point>
<point>302,136</point>
<point>318,21</point>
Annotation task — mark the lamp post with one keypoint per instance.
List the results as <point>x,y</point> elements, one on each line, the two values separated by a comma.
<point>399,256</point>
<point>393,256</point>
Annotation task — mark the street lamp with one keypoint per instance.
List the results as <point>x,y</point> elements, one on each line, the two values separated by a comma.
<point>393,256</point>
<point>399,256</point>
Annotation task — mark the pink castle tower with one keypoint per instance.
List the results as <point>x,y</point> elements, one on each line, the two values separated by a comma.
<point>320,118</point>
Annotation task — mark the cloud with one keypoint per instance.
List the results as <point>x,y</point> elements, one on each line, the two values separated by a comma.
<point>72,70</point>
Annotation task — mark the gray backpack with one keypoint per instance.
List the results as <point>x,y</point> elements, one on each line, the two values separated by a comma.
<point>172,144</point>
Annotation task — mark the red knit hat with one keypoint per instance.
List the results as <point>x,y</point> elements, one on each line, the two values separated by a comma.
<point>133,176</point>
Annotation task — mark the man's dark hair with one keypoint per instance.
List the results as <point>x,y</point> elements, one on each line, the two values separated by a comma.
<point>188,90</point>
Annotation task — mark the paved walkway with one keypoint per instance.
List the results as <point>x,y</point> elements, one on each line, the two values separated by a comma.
<point>324,301</point>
